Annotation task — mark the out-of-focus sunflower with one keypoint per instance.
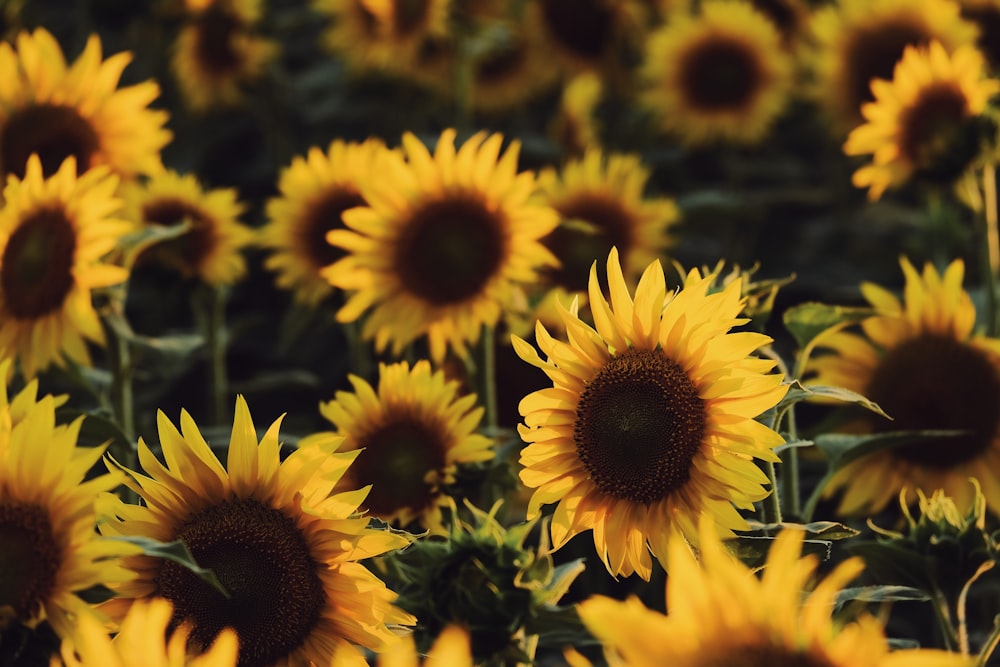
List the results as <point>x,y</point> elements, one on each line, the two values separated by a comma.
<point>718,75</point>
<point>790,17</point>
<point>921,362</point>
<point>50,550</point>
<point>515,69</point>
<point>315,191</point>
<point>860,40</point>
<point>54,233</point>
<point>217,54</point>
<point>720,613</point>
<point>60,111</point>
<point>985,14</point>
<point>650,419</point>
<point>452,648</point>
<point>284,547</point>
<point>926,123</point>
<point>446,240</point>
<point>414,430</point>
<point>382,34</point>
<point>211,250</point>
<point>587,34</point>
<point>142,641</point>
<point>574,126</point>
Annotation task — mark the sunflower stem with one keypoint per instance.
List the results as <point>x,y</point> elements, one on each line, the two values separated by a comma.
<point>210,308</point>
<point>992,250</point>
<point>772,504</point>
<point>960,610</point>
<point>118,332</point>
<point>990,645</point>
<point>488,378</point>
<point>943,615</point>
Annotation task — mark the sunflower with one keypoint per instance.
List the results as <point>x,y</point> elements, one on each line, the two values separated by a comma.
<point>790,17</point>
<point>721,74</point>
<point>925,123</point>
<point>415,430</point>
<point>53,234</point>
<point>315,191</point>
<point>860,40</point>
<point>720,613</point>
<point>985,14</point>
<point>211,250</point>
<point>50,551</point>
<point>58,111</point>
<point>600,199</point>
<point>574,126</point>
<point>446,239</point>
<point>142,641</point>
<point>650,419</point>
<point>217,53</point>
<point>587,34</point>
<point>382,34</point>
<point>285,548</point>
<point>921,362</point>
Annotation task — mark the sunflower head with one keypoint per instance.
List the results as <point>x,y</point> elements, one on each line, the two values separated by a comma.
<point>650,419</point>
<point>446,241</point>
<point>210,250</point>
<point>415,431</point>
<point>919,359</point>
<point>284,546</point>
<point>57,111</point>
<point>721,74</point>
<point>54,236</point>
<point>928,123</point>
<point>587,34</point>
<point>858,41</point>
<point>721,613</point>
<point>482,577</point>
<point>574,126</point>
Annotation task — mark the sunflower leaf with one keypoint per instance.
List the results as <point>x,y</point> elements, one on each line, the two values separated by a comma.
<point>135,243</point>
<point>827,530</point>
<point>842,448</point>
<point>752,550</point>
<point>798,392</point>
<point>809,320</point>
<point>176,552</point>
<point>885,593</point>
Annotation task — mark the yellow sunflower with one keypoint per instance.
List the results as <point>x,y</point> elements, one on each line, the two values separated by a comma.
<point>60,111</point>
<point>587,34</point>
<point>54,233</point>
<point>142,641</point>
<point>217,54</point>
<point>445,242</point>
<point>924,123</point>
<point>921,361</point>
<point>382,34</point>
<point>212,249</point>
<point>315,191</point>
<point>50,550</point>
<point>721,614</point>
<point>285,548</point>
<point>860,40</point>
<point>650,419</point>
<point>414,430</point>
<point>574,126</point>
<point>452,648</point>
<point>719,75</point>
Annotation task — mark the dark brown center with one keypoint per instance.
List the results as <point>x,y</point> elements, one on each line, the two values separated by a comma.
<point>397,456</point>
<point>324,215</point>
<point>592,225</point>
<point>263,561</point>
<point>873,54</point>
<point>215,31</point>
<point>583,27</point>
<point>29,560</point>
<point>720,74</point>
<point>760,656</point>
<point>187,253</point>
<point>938,135</point>
<point>51,131</point>
<point>936,382</point>
<point>36,270</point>
<point>450,250</point>
<point>639,423</point>
<point>409,15</point>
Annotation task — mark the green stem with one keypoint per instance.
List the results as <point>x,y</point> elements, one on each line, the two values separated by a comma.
<point>991,256</point>
<point>992,641</point>
<point>963,628</point>
<point>943,615</point>
<point>772,504</point>
<point>217,343</point>
<point>120,361</point>
<point>488,378</point>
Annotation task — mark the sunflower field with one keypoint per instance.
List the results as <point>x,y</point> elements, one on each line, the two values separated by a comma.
<point>499,333</point>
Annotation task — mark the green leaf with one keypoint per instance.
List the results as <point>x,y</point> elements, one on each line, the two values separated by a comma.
<point>562,577</point>
<point>842,448</point>
<point>752,549</point>
<point>808,320</point>
<point>827,530</point>
<point>894,565</point>
<point>798,392</point>
<point>878,594</point>
<point>176,552</point>
<point>135,243</point>
<point>794,444</point>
